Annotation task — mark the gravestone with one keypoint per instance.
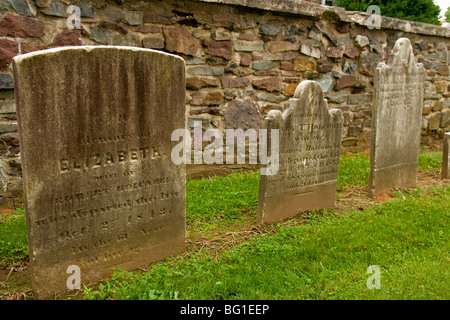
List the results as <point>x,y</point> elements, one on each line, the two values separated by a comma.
<point>100,188</point>
<point>396,121</point>
<point>309,150</point>
<point>445,173</point>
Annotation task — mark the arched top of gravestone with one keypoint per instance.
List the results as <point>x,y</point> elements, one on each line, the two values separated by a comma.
<point>93,49</point>
<point>402,56</point>
<point>308,99</point>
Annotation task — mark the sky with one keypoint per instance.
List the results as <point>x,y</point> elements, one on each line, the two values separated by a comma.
<point>443,4</point>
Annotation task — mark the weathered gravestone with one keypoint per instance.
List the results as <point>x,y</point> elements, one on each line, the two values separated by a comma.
<point>100,187</point>
<point>445,173</point>
<point>309,150</point>
<point>396,121</point>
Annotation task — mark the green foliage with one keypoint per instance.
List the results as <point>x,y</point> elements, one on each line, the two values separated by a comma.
<point>221,200</point>
<point>13,237</point>
<point>430,161</point>
<point>408,238</point>
<point>354,170</point>
<point>447,15</point>
<point>414,10</point>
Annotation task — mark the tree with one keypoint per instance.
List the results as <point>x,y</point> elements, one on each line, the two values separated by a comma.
<point>447,15</point>
<point>414,10</point>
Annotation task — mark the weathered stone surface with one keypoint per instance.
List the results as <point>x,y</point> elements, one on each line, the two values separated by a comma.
<point>6,81</point>
<point>196,83</point>
<point>445,118</point>
<point>7,107</point>
<point>248,46</point>
<point>311,49</point>
<point>362,41</point>
<point>100,35</point>
<point>68,38</point>
<point>221,34</point>
<point>56,9</point>
<point>334,52</point>
<point>149,28</point>
<point>158,16</point>
<point>31,46</point>
<point>87,9</point>
<point>179,39</point>
<point>337,97</point>
<point>327,83</point>
<point>245,59</point>
<point>294,30</point>
<point>327,28</point>
<point>222,49</point>
<point>289,90</point>
<point>241,114</point>
<point>281,46</point>
<point>367,63</point>
<point>8,49</point>
<point>445,172</point>
<point>309,148</point>
<point>24,7</point>
<point>130,40</point>
<point>346,81</point>
<point>396,121</point>
<point>115,14</point>
<point>286,65</point>
<point>262,65</point>
<point>206,98</point>
<point>351,52</point>
<point>113,27</point>
<point>324,66</point>
<point>205,71</point>
<point>303,63</point>
<point>269,84</point>
<point>133,18</point>
<point>349,67</point>
<point>271,97</point>
<point>7,126</point>
<point>105,193</point>
<point>235,82</point>
<point>154,42</point>
<point>18,26</point>
<point>359,98</point>
<point>5,5</point>
<point>433,120</point>
<point>315,34</point>
<point>270,28</point>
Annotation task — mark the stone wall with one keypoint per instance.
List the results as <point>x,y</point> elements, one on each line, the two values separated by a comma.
<point>243,58</point>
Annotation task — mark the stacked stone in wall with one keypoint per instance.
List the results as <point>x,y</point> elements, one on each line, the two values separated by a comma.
<point>255,55</point>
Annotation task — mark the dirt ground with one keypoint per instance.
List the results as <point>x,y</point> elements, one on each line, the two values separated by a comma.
<point>15,279</point>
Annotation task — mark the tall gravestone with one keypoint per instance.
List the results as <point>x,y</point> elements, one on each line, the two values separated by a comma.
<point>309,150</point>
<point>100,188</point>
<point>445,173</point>
<point>396,121</point>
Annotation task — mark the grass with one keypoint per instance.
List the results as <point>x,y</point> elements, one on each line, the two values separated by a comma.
<point>354,170</point>
<point>430,160</point>
<point>221,200</point>
<point>13,238</point>
<point>325,259</point>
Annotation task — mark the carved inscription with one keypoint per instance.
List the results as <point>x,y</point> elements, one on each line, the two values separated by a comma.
<point>396,121</point>
<point>104,192</point>
<point>309,149</point>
